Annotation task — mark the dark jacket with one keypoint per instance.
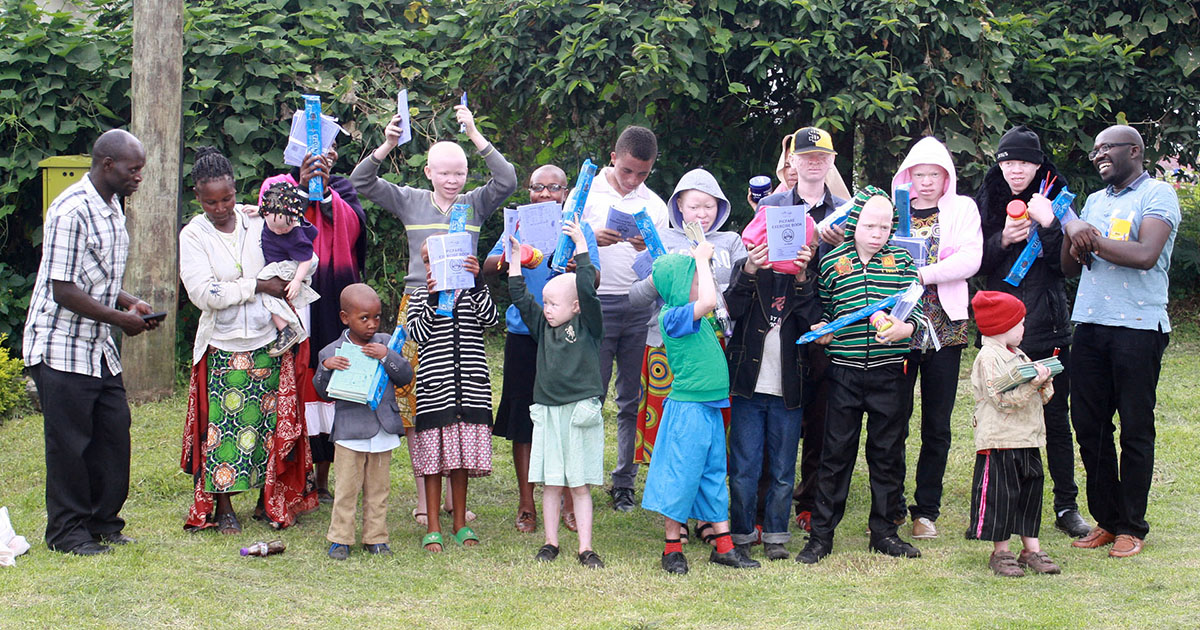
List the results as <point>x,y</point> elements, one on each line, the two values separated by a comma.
<point>748,306</point>
<point>1044,290</point>
<point>353,421</point>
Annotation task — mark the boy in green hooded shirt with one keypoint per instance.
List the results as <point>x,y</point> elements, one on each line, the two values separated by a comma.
<point>866,375</point>
<point>687,473</point>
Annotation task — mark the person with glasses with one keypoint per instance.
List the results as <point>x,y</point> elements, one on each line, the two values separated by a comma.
<point>1024,173</point>
<point>1120,247</point>
<point>513,422</point>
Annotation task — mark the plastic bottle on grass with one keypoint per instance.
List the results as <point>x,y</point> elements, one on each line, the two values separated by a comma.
<point>264,548</point>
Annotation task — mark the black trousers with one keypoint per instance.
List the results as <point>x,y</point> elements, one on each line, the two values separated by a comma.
<point>814,431</point>
<point>938,372</point>
<point>87,454</point>
<point>1060,443</point>
<point>853,392</point>
<point>1115,370</point>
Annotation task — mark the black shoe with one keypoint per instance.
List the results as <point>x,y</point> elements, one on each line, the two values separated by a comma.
<point>378,549</point>
<point>622,499</point>
<point>675,562</point>
<point>893,546</point>
<point>744,548</point>
<point>733,558</point>
<point>591,560</point>
<point>116,538</point>
<point>546,554</point>
<point>1072,524</point>
<point>776,551</point>
<point>814,550</point>
<point>89,548</point>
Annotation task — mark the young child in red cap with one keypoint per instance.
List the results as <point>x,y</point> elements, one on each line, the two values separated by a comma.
<point>1006,492</point>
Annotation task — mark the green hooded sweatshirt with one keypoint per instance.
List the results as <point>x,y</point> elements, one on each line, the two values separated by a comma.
<point>696,360</point>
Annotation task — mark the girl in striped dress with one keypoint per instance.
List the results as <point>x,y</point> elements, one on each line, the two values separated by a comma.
<point>454,396</point>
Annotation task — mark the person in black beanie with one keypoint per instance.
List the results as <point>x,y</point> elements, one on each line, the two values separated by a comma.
<point>1020,171</point>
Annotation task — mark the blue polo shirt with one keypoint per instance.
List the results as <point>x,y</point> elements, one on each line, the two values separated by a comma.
<point>535,279</point>
<point>1113,295</point>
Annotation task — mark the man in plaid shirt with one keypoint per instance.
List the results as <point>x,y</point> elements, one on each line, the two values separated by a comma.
<point>71,356</point>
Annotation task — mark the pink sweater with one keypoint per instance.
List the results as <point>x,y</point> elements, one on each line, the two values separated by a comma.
<point>961,246</point>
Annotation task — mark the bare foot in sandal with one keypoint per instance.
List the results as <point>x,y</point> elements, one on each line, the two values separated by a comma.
<point>421,518</point>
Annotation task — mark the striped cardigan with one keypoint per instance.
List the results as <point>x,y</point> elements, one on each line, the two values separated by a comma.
<point>452,370</point>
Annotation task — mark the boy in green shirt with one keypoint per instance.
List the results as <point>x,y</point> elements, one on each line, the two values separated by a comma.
<point>687,473</point>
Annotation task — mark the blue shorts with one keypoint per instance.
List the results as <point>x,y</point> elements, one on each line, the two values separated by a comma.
<point>687,473</point>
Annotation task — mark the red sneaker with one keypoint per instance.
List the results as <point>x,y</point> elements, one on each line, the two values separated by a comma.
<point>804,520</point>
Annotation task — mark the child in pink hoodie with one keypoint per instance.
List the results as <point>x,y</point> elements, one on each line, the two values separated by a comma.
<point>949,223</point>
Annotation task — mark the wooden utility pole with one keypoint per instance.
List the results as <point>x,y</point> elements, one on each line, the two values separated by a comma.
<point>153,213</point>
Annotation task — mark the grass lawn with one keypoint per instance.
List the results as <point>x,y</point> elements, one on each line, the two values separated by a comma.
<point>174,579</point>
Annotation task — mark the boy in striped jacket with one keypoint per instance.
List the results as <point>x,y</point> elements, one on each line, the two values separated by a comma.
<point>866,375</point>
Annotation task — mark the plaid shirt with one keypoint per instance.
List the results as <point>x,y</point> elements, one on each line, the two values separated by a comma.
<point>85,242</point>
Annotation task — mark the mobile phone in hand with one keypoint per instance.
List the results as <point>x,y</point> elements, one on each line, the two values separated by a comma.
<point>154,317</point>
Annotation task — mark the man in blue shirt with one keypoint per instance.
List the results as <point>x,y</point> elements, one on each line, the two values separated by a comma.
<point>1124,238</point>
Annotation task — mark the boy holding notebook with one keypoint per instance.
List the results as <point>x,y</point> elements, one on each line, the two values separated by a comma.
<point>363,437</point>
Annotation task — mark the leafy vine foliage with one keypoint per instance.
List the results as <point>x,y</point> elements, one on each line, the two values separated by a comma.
<point>720,81</point>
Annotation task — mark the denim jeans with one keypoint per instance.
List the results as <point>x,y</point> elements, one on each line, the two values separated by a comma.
<point>762,427</point>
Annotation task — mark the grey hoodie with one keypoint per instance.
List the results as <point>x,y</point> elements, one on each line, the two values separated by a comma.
<point>728,250</point>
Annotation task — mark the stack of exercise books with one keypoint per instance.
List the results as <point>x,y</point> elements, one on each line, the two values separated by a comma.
<point>1025,372</point>
<point>356,383</point>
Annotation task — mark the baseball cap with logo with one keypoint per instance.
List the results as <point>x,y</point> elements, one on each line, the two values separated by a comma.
<point>810,139</point>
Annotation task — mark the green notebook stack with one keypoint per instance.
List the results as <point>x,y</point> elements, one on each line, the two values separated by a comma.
<point>1026,372</point>
<point>355,383</point>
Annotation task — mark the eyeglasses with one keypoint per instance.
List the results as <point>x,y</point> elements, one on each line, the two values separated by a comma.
<point>551,187</point>
<point>1106,147</point>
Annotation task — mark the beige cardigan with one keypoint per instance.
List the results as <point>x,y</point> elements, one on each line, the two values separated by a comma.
<point>222,283</point>
<point>1012,419</point>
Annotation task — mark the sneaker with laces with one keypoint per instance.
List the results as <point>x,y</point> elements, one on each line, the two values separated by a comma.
<point>622,499</point>
<point>1004,564</point>
<point>1038,562</point>
<point>895,547</point>
<point>283,341</point>
<point>924,529</point>
<point>813,551</point>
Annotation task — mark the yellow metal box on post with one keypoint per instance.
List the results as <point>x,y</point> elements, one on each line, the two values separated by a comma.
<point>59,172</point>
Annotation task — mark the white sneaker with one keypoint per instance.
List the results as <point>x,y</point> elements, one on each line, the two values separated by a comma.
<point>924,529</point>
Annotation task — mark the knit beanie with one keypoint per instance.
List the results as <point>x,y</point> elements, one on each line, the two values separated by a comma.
<point>1020,143</point>
<point>996,312</point>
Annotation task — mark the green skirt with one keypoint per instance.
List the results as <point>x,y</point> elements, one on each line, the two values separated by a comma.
<point>242,391</point>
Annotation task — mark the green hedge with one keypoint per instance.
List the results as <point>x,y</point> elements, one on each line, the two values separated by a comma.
<point>555,80</point>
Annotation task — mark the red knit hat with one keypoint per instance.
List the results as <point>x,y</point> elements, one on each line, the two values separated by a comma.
<point>996,312</point>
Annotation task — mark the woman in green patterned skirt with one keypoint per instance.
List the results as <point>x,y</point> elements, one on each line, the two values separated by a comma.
<point>243,428</point>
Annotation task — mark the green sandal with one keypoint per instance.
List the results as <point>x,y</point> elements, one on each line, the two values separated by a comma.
<point>465,534</point>
<point>432,538</point>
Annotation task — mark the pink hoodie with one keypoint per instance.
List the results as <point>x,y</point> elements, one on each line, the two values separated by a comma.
<point>961,246</point>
